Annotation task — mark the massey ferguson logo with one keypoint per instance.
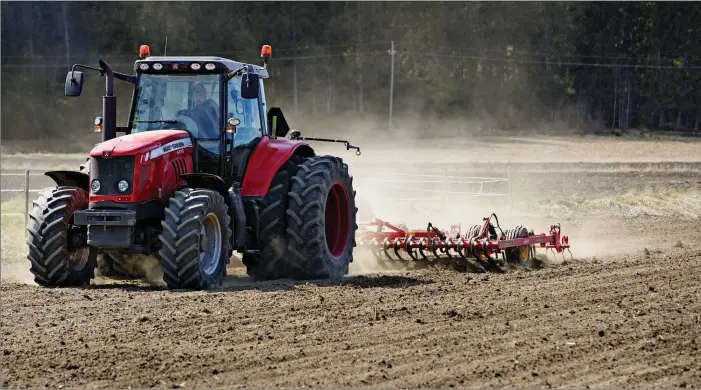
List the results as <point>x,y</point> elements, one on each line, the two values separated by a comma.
<point>173,146</point>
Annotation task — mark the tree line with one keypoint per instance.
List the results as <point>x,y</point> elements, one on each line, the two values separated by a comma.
<point>515,64</point>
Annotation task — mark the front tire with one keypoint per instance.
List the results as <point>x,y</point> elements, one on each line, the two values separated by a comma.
<point>196,239</point>
<point>321,219</point>
<point>55,262</point>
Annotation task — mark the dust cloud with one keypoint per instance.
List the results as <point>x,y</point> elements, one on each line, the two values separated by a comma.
<point>16,272</point>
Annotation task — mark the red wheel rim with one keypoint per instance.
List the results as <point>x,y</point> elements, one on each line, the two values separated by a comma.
<point>337,220</point>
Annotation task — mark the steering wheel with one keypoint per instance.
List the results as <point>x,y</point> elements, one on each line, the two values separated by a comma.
<point>189,124</point>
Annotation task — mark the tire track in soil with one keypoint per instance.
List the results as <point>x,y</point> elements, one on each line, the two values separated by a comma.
<point>327,335</point>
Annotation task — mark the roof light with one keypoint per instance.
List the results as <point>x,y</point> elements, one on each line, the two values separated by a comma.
<point>266,51</point>
<point>143,66</point>
<point>157,66</point>
<point>195,66</point>
<point>144,51</point>
<point>209,66</point>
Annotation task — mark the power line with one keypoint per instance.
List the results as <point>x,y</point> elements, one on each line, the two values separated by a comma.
<point>244,60</point>
<point>562,63</point>
<point>554,54</point>
<point>423,54</point>
<point>222,52</point>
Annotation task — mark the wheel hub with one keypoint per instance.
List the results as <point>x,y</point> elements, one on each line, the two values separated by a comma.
<point>78,257</point>
<point>337,220</point>
<point>210,243</point>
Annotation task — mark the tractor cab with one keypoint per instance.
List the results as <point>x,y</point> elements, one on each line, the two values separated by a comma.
<point>203,96</point>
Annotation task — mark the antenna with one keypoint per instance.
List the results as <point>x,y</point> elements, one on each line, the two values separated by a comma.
<point>165,51</point>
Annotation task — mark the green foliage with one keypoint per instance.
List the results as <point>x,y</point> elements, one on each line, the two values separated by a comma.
<point>618,64</point>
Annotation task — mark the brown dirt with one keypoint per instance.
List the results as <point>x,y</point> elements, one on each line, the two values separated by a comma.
<point>625,313</point>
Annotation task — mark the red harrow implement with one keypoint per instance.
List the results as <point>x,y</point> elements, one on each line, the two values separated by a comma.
<point>484,243</point>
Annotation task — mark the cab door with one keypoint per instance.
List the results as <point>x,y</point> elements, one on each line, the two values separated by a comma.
<point>249,132</point>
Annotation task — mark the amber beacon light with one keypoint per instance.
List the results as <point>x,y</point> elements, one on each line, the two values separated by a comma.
<point>144,51</point>
<point>266,51</point>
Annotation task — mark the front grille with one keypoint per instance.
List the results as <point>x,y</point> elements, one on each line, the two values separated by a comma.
<point>109,171</point>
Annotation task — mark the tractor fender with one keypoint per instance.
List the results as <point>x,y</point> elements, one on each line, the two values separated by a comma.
<point>209,181</point>
<point>239,217</point>
<point>266,160</point>
<point>70,178</point>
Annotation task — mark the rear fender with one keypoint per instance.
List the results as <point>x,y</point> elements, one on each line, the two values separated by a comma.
<point>266,160</point>
<point>70,178</point>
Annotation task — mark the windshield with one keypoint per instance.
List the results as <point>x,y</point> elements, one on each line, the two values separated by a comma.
<point>178,101</point>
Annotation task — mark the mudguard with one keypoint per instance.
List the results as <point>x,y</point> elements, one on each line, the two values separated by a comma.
<point>70,178</point>
<point>239,217</point>
<point>206,180</point>
<point>265,161</point>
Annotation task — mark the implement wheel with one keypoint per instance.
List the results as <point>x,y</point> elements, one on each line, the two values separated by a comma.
<point>521,255</point>
<point>196,239</point>
<point>55,260</point>
<point>321,219</point>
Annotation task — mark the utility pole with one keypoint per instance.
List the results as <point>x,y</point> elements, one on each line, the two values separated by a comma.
<point>294,74</point>
<point>391,83</point>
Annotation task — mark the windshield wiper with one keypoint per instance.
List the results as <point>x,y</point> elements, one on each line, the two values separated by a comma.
<point>159,121</point>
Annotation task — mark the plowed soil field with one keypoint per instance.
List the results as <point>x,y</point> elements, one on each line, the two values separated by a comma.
<point>625,311</point>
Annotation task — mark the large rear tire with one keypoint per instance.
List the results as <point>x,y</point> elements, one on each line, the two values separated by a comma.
<point>269,264</point>
<point>321,219</point>
<point>196,239</point>
<point>55,262</point>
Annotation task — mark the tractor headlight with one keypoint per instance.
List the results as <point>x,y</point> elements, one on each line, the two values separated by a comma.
<point>209,66</point>
<point>95,185</point>
<point>143,66</point>
<point>157,66</point>
<point>195,66</point>
<point>122,185</point>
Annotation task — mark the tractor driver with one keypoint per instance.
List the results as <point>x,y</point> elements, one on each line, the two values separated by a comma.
<point>204,112</point>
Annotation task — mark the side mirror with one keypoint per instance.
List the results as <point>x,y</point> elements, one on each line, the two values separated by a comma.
<point>250,86</point>
<point>74,83</point>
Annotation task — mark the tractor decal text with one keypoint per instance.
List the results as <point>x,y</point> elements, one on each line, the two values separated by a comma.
<point>177,145</point>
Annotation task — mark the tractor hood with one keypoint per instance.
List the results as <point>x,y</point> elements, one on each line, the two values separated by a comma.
<point>132,144</point>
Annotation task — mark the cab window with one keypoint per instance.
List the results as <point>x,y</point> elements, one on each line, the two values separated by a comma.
<point>245,110</point>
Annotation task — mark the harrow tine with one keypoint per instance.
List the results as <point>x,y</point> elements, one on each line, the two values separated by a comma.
<point>396,245</point>
<point>422,245</point>
<point>434,248</point>
<point>385,247</point>
<point>407,247</point>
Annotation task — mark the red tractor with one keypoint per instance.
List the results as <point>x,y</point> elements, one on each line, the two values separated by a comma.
<point>200,172</point>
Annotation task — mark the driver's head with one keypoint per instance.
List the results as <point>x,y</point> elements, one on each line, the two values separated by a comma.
<point>199,94</point>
